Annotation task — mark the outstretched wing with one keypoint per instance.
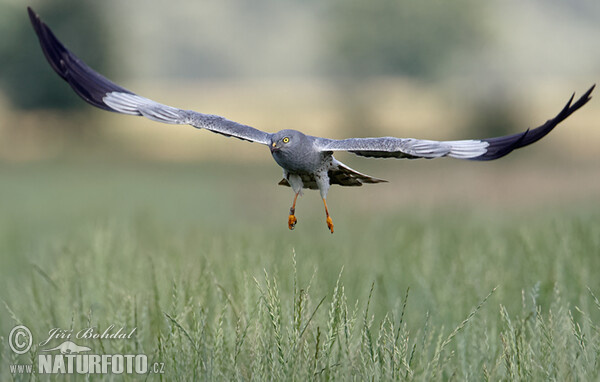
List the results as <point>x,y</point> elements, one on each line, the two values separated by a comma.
<point>101,92</point>
<point>483,149</point>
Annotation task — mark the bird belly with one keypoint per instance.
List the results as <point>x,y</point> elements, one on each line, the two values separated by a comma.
<point>296,164</point>
<point>307,170</point>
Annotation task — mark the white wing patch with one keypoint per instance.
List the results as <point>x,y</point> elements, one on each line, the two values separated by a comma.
<point>137,105</point>
<point>467,149</point>
<point>435,149</point>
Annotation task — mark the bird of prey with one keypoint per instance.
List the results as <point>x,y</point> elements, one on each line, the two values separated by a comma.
<point>307,161</point>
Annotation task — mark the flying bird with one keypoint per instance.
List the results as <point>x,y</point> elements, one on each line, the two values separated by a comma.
<point>307,161</point>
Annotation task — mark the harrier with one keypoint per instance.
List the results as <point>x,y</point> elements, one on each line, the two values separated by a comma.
<point>307,161</point>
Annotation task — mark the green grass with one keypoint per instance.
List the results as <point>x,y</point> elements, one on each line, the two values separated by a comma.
<point>200,261</point>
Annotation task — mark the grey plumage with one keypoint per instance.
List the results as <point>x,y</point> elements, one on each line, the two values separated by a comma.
<point>307,161</point>
<point>390,147</point>
<point>316,168</point>
<point>133,104</point>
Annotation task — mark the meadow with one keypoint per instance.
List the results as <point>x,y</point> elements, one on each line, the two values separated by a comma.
<point>453,270</point>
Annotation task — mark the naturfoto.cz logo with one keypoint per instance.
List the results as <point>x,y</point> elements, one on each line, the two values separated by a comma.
<point>69,357</point>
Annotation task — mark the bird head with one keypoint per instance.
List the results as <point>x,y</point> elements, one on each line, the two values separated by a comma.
<point>285,140</point>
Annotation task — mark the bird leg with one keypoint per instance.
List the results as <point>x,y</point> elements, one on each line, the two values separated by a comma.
<point>329,221</point>
<point>292,219</point>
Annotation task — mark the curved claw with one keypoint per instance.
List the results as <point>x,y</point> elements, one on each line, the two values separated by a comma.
<point>330,224</point>
<point>292,221</point>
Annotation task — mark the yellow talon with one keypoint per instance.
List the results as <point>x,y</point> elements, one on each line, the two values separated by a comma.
<point>292,221</point>
<point>330,224</point>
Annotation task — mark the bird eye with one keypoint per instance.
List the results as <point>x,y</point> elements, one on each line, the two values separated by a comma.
<point>286,140</point>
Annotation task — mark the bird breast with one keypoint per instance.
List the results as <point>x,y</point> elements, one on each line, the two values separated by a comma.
<point>302,158</point>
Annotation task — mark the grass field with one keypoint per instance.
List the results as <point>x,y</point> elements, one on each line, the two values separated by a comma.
<point>452,271</point>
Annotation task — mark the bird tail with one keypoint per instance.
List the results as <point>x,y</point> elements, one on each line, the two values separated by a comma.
<point>345,176</point>
<point>340,174</point>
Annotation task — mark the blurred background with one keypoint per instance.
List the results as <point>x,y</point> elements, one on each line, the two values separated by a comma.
<point>428,69</point>
<point>338,68</point>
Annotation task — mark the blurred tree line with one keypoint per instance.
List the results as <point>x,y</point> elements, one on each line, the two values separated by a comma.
<point>399,37</point>
<point>25,76</point>
<point>360,39</point>
<point>394,38</point>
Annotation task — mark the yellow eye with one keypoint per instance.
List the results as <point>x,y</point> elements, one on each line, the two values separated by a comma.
<point>286,140</point>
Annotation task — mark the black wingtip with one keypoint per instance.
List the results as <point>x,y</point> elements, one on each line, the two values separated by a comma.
<point>88,84</point>
<point>587,95</point>
<point>35,21</point>
<point>31,12</point>
<point>501,146</point>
